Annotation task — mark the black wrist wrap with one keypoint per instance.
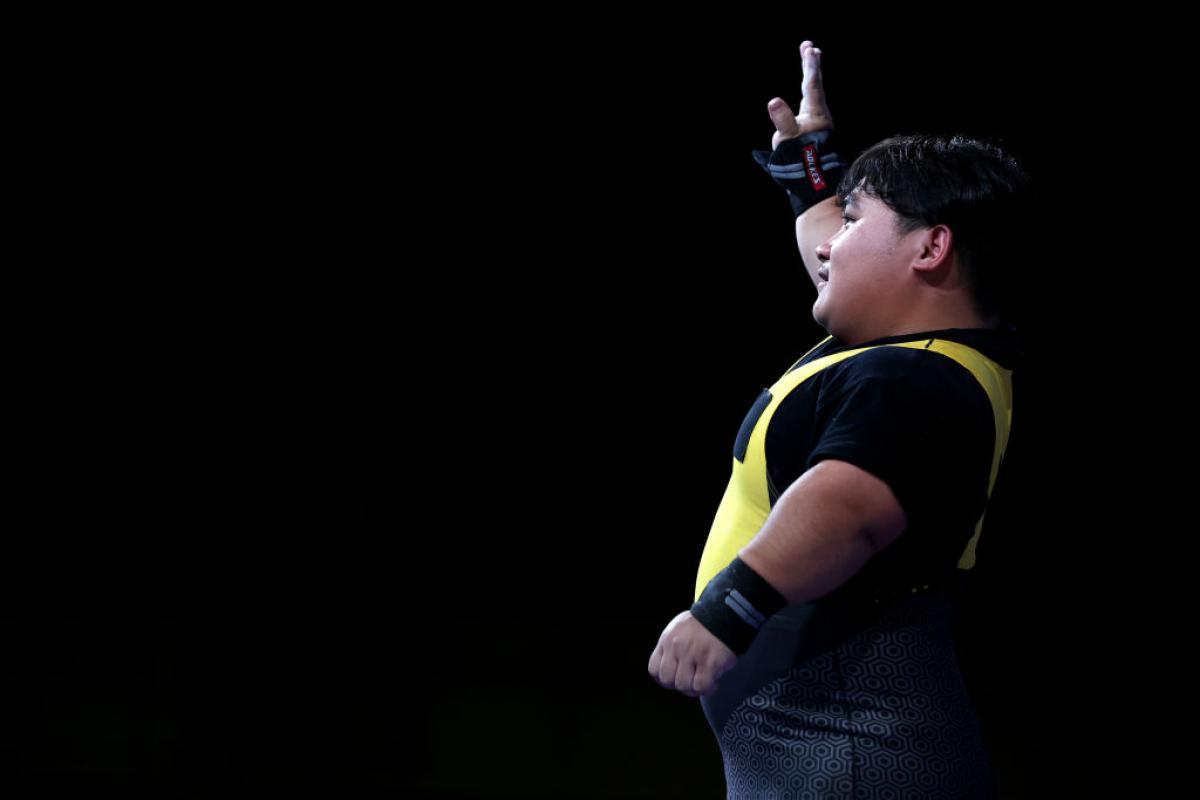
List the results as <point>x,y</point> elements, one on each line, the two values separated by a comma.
<point>735,603</point>
<point>807,166</point>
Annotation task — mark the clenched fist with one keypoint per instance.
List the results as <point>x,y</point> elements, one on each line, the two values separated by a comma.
<point>689,658</point>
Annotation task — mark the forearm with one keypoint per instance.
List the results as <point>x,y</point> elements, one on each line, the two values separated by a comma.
<point>811,172</point>
<point>814,226</point>
<point>811,542</point>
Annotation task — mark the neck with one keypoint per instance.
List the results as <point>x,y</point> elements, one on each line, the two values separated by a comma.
<point>923,319</point>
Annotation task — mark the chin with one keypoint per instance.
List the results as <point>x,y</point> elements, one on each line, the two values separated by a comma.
<point>823,321</point>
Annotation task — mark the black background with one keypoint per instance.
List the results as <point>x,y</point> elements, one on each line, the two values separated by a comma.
<point>382,385</point>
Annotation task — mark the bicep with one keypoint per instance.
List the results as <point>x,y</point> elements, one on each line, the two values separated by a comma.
<point>827,525</point>
<point>813,227</point>
<point>865,502</point>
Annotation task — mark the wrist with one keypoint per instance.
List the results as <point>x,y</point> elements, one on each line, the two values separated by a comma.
<point>735,604</point>
<point>808,166</point>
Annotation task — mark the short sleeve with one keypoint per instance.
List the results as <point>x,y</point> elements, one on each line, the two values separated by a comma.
<point>917,420</point>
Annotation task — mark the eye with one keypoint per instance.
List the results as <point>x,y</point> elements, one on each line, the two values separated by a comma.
<point>846,219</point>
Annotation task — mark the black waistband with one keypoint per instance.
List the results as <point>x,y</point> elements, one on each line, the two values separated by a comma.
<point>954,583</point>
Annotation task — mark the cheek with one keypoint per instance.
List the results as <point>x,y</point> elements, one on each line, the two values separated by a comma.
<point>844,243</point>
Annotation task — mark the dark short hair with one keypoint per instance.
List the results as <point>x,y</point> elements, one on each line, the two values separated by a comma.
<point>982,193</point>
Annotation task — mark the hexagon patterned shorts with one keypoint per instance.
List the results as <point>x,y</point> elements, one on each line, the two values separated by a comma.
<point>884,714</point>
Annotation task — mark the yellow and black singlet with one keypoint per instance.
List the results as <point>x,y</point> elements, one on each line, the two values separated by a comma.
<point>864,677</point>
<point>928,413</point>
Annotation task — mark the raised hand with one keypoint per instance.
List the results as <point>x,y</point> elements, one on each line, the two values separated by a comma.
<point>814,112</point>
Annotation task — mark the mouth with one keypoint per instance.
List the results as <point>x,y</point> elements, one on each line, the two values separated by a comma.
<point>823,273</point>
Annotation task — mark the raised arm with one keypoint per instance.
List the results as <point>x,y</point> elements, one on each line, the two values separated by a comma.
<point>813,227</point>
<point>808,168</point>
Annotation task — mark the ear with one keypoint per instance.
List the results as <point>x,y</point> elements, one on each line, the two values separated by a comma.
<point>935,248</point>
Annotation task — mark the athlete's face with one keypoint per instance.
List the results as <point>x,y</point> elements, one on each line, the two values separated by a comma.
<point>865,264</point>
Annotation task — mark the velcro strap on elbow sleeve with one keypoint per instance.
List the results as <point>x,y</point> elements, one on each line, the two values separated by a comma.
<point>807,166</point>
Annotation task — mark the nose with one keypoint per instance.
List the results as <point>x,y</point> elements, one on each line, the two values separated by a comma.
<point>823,251</point>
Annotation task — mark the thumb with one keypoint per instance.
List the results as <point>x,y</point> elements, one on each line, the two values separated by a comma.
<point>782,116</point>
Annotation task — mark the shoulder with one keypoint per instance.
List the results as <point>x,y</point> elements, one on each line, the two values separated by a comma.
<point>887,363</point>
<point>906,376</point>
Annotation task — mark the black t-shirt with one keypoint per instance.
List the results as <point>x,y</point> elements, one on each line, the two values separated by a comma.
<point>918,420</point>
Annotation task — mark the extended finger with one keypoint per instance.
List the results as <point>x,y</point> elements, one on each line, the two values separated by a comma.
<point>810,62</point>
